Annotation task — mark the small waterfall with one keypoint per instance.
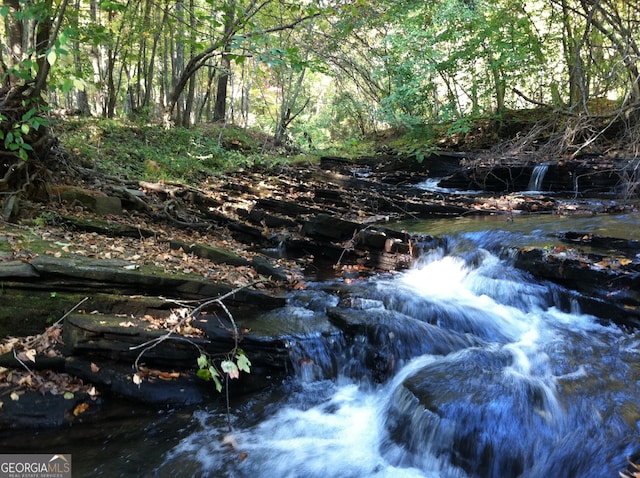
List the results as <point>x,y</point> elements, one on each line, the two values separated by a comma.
<point>481,375</point>
<point>537,176</point>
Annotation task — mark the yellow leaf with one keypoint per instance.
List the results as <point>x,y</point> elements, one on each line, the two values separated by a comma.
<point>14,396</point>
<point>31,354</point>
<point>81,408</point>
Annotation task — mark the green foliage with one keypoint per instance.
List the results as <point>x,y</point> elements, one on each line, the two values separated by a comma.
<point>451,58</point>
<point>153,152</point>
<point>417,142</point>
<point>15,134</point>
<point>230,366</point>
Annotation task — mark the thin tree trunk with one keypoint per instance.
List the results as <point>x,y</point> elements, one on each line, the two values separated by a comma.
<point>82,98</point>
<point>573,51</point>
<point>14,27</point>
<point>148,77</point>
<point>191,91</point>
<point>220,107</point>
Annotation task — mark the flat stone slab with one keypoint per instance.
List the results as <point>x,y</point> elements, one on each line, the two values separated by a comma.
<point>166,387</point>
<point>120,276</point>
<point>35,410</point>
<point>102,336</point>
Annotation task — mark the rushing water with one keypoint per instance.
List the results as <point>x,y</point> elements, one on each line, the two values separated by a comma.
<point>541,392</point>
<point>517,387</point>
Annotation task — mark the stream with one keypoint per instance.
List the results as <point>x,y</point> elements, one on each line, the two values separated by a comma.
<point>517,386</point>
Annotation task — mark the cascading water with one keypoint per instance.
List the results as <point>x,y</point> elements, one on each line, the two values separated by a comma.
<point>537,176</point>
<point>487,377</point>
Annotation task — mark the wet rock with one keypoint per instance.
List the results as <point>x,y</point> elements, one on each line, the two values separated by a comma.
<point>609,285</point>
<point>387,339</point>
<point>36,410</point>
<point>330,228</point>
<point>469,411</point>
<point>603,243</point>
<point>120,276</point>
<point>17,269</point>
<point>165,388</point>
<point>274,339</point>
<point>264,267</point>
<point>588,175</point>
<point>99,336</point>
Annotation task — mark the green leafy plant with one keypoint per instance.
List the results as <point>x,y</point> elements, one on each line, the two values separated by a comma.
<point>15,136</point>
<point>230,367</point>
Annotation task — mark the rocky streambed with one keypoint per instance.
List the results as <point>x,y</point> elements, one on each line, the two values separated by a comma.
<point>102,304</point>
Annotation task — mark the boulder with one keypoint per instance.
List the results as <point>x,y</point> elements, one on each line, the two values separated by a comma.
<point>92,200</point>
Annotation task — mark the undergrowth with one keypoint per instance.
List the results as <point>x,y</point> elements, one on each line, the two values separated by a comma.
<point>151,152</point>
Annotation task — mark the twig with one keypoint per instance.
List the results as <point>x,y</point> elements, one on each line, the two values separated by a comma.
<point>70,311</point>
<point>56,323</point>
<point>150,344</point>
<point>33,375</point>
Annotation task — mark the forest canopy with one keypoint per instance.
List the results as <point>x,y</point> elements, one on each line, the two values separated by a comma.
<point>327,70</point>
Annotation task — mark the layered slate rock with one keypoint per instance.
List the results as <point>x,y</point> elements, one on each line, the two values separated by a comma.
<point>590,176</point>
<point>607,276</point>
<point>108,282</point>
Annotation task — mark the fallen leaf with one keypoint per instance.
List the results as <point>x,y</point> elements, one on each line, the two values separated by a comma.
<point>94,368</point>
<point>169,375</point>
<point>81,408</point>
<point>137,379</point>
<point>68,395</point>
<point>29,354</point>
<point>14,396</point>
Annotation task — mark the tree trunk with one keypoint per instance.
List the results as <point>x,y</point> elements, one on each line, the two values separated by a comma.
<point>14,27</point>
<point>220,107</point>
<point>149,74</point>
<point>573,51</point>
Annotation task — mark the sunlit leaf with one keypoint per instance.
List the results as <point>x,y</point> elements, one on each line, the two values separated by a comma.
<point>216,380</point>
<point>230,368</point>
<point>51,57</point>
<point>68,395</point>
<point>243,363</point>
<point>203,361</point>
